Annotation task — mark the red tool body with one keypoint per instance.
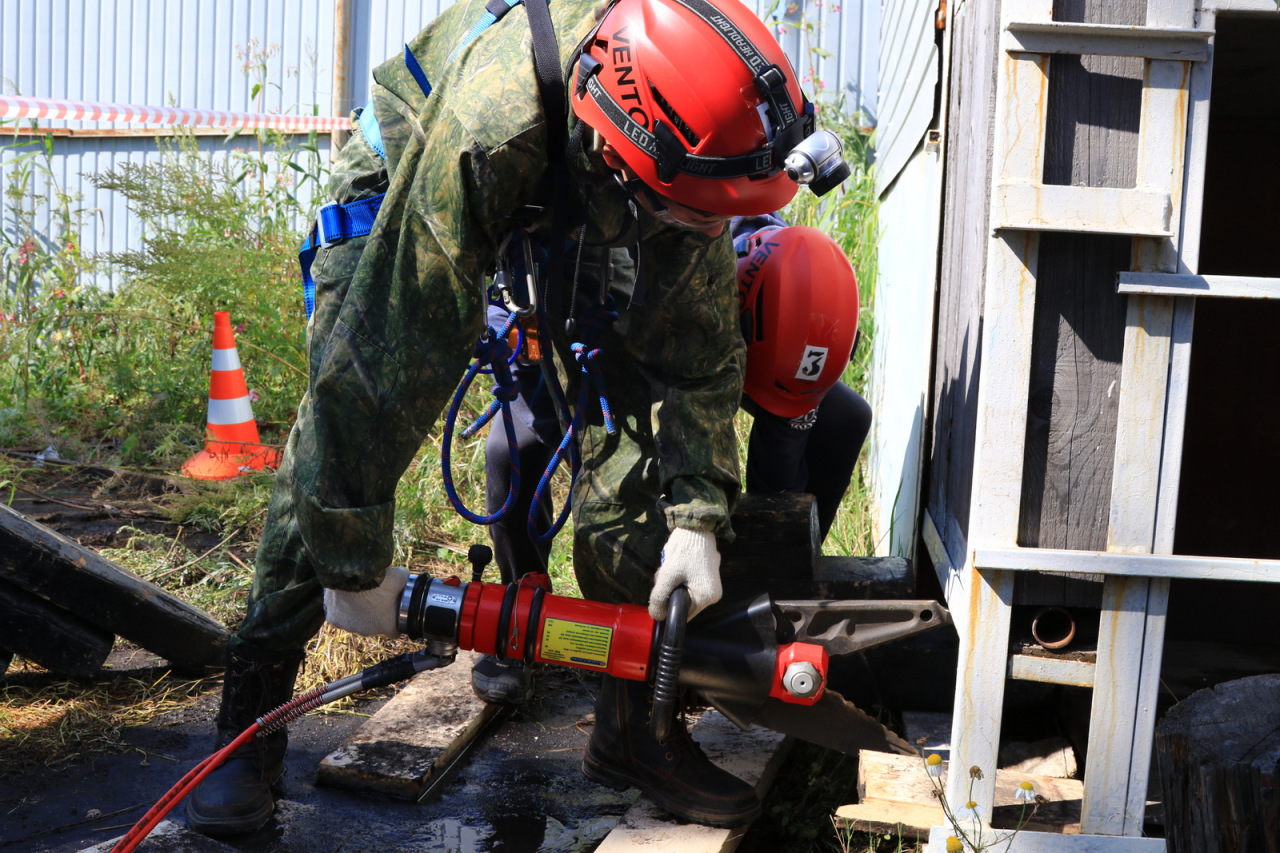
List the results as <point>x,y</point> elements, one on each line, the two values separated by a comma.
<point>525,621</point>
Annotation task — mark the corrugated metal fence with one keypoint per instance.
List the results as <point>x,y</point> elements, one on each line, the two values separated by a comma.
<point>203,54</point>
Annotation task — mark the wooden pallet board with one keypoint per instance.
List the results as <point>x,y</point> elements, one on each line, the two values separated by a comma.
<point>411,741</point>
<point>894,792</point>
<point>54,638</point>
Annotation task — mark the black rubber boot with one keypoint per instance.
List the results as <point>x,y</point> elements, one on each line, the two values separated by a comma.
<point>674,773</point>
<point>236,797</point>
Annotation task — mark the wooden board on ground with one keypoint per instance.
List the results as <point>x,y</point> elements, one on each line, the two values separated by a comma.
<point>52,567</point>
<point>54,638</point>
<point>894,791</point>
<point>415,737</point>
<point>754,755</point>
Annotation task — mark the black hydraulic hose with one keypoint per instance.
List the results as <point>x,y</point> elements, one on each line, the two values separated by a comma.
<point>667,673</point>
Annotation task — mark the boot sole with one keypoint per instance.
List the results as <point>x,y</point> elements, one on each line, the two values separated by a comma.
<point>241,825</point>
<point>671,803</point>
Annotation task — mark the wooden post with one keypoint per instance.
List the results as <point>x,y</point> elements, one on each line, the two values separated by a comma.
<point>341,31</point>
<point>1219,755</point>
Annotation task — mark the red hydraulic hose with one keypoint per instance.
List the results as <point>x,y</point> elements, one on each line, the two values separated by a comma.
<point>389,671</point>
<point>174,795</point>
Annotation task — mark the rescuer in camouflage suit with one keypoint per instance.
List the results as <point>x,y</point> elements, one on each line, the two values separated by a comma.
<point>396,317</point>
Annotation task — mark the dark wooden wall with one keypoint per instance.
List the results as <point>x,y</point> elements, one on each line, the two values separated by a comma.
<point>966,202</point>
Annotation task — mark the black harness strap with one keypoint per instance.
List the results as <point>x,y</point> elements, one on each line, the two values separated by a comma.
<point>555,105</point>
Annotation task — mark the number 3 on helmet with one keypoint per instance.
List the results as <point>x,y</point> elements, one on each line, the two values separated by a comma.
<point>798,303</point>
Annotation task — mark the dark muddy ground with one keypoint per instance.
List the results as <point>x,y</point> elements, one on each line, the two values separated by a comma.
<point>520,791</point>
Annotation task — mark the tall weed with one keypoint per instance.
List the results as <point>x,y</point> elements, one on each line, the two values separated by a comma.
<point>128,372</point>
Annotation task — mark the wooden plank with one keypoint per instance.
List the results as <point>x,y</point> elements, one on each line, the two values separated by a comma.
<point>415,737</point>
<point>51,566</point>
<point>1076,673</point>
<point>1007,316</point>
<point>1043,842</point>
<point>971,91</point>
<point>1135,480</point>
<point>1188,284</point>
<point>1140,565</point>
<point>1238,5</point>
<point>909,821</point>
<point>1107,39</point>
<point>1199,88</point>
<point>1089,210</point>
<point>894,789</point>
<point>949,577</point>
<point>56,639</point>
<point>753,756</point>
<point>1114,772</point>
<point>1162,145</point>
<point>863,577</point>
<point>1131,628</point>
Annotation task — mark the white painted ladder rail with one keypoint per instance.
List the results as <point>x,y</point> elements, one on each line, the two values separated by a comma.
<point>1144,485</point>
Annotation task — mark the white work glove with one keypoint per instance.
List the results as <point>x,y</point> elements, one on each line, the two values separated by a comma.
<point>690,558</point>
<point>372,612</point>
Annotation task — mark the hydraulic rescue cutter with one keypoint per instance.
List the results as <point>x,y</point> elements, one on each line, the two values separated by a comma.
<point>757,661</point>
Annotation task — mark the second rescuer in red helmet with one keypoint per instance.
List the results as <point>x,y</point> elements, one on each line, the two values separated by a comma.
<point>798,300</point>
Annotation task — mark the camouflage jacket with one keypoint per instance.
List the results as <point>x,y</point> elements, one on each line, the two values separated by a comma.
<point>388,345</point>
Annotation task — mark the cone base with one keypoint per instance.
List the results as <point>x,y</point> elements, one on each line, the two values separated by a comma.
<point>226,465</point>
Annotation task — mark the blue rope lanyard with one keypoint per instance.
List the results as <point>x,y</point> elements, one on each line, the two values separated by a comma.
<point>493,356</point>
<point>591,383</point>
<point>492,350</point>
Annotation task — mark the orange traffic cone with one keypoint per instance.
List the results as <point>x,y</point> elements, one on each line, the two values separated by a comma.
<point>231,444</point>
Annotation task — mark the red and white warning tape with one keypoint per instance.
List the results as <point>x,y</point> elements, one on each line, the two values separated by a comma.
<point>14,106</point>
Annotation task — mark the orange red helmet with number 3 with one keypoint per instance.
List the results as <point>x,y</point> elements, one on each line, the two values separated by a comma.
<point>698,99</point>
<point>798,302</point>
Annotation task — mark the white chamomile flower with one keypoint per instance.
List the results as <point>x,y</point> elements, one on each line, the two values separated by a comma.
<point>970,811</point>
<point>933,765</point>
<point>1026,793</point>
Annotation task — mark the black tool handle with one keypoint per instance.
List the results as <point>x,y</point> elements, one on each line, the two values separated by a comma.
<point>667,675</point>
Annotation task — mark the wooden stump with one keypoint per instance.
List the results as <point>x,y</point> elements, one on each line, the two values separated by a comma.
<point>1219,757</point>
<point>775,546</point>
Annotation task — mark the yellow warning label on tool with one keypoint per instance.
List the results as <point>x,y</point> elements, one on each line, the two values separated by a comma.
<point>577,643</point>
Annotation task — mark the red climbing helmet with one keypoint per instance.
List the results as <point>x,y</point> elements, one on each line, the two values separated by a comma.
<point>798,299</point>
<point>698,99</point>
